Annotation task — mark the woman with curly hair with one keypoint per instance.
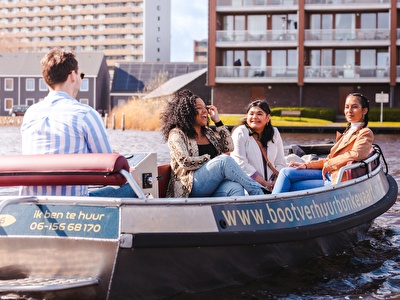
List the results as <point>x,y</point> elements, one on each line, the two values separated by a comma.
<point>258,145</point>
<point>353,145</point>
<point>199,167</point>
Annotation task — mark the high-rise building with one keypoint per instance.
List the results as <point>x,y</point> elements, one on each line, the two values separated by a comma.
<point>302,52</point>
<point>200,50</point>
<point>129,30</point>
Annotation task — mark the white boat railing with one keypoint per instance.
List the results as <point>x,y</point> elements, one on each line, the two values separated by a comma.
<point>367,163</point>
<point>132,182</point>
<point>10,201</point>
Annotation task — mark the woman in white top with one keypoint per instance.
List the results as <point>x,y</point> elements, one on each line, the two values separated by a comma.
<point>247,152</point>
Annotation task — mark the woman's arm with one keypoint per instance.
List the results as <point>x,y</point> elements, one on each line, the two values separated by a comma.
<point>280,161</point>
<point>240,153</point>
<point>359,150</point>
<point>182,151</point>
<point>223,139</point>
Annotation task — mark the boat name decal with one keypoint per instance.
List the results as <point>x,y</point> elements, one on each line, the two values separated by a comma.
<point>294,212</point>
<point>60,220</point>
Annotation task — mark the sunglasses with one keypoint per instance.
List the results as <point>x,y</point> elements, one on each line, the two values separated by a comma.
<point>81,75</point>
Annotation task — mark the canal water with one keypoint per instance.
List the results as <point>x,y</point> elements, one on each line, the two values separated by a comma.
<point>369,271</point>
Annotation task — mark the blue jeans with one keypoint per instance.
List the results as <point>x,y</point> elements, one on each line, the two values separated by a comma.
<point>290,179</point>
<point>222,176</point>
<point>124,191</point>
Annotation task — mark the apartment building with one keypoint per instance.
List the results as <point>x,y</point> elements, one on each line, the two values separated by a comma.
<point>302,52</point>
<point>21,81</point>
<point>129,30</point>
<point>200,50</point>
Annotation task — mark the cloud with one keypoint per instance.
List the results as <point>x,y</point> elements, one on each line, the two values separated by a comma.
<point>189,22</point>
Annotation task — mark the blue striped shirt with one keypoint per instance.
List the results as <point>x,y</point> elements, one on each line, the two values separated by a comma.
<point>60,124</point>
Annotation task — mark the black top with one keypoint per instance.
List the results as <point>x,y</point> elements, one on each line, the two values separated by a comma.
<point>208,149</point>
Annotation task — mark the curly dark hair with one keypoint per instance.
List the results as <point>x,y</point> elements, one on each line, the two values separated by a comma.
<point>268,132</point>
<point>180,112</point>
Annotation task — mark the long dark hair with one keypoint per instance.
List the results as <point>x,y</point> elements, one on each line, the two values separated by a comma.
<point>364,104</point>
<point>180,112</point>
<point>268,131</point>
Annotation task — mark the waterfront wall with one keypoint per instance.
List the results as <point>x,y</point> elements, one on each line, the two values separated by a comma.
<point>10,121</point>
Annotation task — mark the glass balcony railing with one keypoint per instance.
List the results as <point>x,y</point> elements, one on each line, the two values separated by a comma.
<point>256,35</point>
<point>331,35</point>
<point>339,2</point>
<point>346,71</point>
<point>310,72</point>
<point>278,72</point>
<point>256,3</point>
<point>346,34</point>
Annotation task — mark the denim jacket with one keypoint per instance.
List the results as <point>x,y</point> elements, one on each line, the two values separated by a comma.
<point>185,157</point>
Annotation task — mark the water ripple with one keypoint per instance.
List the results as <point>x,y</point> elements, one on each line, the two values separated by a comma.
<point>371,270</point>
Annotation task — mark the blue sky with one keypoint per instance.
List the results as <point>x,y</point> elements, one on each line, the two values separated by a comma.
<point>189,22</point>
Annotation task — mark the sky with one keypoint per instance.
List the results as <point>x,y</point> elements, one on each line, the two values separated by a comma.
<point>189,22</point>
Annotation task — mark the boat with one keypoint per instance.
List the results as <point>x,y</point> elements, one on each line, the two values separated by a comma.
<point>151,247</point>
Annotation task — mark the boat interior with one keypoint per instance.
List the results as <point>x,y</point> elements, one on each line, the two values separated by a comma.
<point>140,170</point>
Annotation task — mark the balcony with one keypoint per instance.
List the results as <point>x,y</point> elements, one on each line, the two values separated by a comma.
<point>312,74</point>
<point>252,38</point>
<point>346,37</point>
<point>343,5</point>
<point>346,73</point>
<point>256,5</point>
<point>252,74</point>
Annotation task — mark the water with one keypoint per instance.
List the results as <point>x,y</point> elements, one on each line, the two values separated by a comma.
<point>369,271</point>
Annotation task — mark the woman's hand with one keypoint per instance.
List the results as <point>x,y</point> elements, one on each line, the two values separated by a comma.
<point>268,185</point>
<point>326,171</point>
<point>297,165</point>
<point>213,111</point>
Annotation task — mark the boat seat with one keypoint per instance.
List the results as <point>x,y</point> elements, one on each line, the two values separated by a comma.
<point>363,168</point>
<point>164,176</point>
<point>63,169</point>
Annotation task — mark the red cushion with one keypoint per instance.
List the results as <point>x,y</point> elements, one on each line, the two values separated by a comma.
<point>63,169</point>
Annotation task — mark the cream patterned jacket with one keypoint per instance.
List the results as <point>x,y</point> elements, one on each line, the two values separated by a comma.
<point>185,157</point>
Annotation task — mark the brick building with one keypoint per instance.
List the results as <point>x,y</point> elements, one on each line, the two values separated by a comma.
<point>302,52</point>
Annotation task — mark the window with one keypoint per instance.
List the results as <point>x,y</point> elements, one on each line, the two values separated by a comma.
<point>257,24</point>
<point>30,84</point>
<point>8,103</point>
<point>368,21</point>
<point>42,85</point>
<point>85,85</point>
<point>84,101</point>
<point>284,22</point>
<point>8,84</point>
<point>278,61</point>
<point>345,25</point>
<point>30,101</point>
<point>383,20</point>
<point>257,58</point>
